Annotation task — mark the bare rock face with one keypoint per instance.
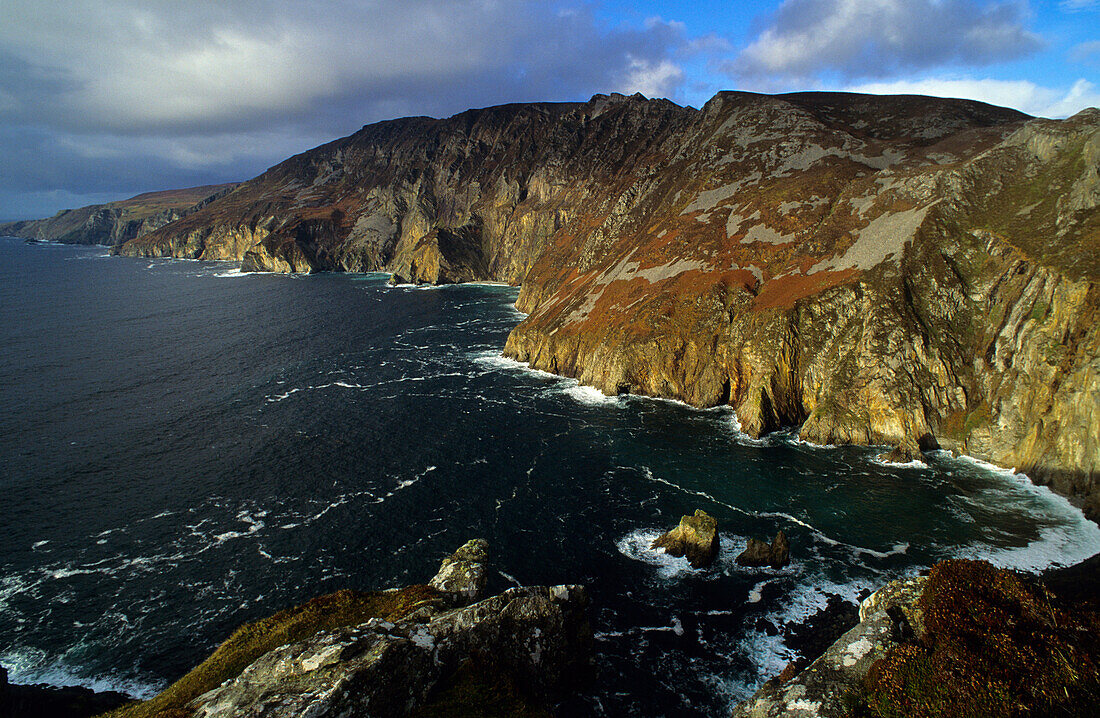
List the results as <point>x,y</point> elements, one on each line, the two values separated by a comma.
<point>462,574</point>
<point>537,637</point>
<point>822,688</point>
<point>760,553</point>
<point>696,538</point>
<point>916,272</point>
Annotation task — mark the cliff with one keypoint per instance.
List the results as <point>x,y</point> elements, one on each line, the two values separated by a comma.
<point>899,270</point>
<point>966,640</point>
<point>117,222</point>
<point>439,649</point>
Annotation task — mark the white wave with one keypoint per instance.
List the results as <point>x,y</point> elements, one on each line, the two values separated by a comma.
<point>254,522</point>
<point>511,578</point>
<point>637,545</point>
<point>39,544</point>
<point>280,397</point>
<point>235,272</point>
<point>589,395</point>
<point>29,666</point>
<point>496,360</point>
<point>406,483</point>
<point>756,592</point>
<point>1071,538</point>
<point>897,550</point>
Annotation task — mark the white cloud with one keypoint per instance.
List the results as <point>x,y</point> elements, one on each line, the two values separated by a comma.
<point>1022,95</point>
<point>652,79</point>
<point>876,38</point>
<point>1072,5</point>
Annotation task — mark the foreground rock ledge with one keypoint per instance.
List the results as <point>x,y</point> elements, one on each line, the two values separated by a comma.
<point>969,639</point>
<point>418,651</point>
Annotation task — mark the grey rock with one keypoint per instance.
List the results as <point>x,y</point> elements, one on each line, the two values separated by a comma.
<point>462,574</point>
<point>538,636</point>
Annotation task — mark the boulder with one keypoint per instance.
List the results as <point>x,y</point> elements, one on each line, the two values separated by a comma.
<point>461,576</point>
<point>696,538</point>
<point>760,553</point>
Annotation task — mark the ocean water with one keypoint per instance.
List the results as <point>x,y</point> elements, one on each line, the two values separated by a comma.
<point>184,448</point>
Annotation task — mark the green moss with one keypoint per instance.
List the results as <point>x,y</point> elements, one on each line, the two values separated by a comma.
<point>250,641</point>
<point>995,644</point>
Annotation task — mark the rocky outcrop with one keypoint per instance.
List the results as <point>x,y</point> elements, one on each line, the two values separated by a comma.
<point>462,574</point>
<point>906,271</point>
<point>760,553</point>
<point>117,222</point>
<point>421,650</point>
<point>529,636</point>
<point>44,701</point>
<point>696,539</point>
<point>968,639</point>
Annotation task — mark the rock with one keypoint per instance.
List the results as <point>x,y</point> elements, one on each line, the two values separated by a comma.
<point>759,553</point>
<point>44,701</point>
<point>696,538</point>
<point>901,594</point>
<point>536,638</point>
<point>462,574</point>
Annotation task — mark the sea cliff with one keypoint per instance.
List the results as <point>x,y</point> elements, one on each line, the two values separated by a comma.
<point>908,271</point>
<point>116,222</point>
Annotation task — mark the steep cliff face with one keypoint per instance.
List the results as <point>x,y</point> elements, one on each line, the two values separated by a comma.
<point>117,222</point>
<point>898,270</point>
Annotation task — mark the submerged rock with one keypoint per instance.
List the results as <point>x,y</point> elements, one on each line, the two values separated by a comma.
<point>759,553</point>
<point>696,538</point>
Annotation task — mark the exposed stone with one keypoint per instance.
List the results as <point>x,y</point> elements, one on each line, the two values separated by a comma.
<point>696,538</point>
<point>537,637</point>
<point>462,574</point>
<point>760,553</point>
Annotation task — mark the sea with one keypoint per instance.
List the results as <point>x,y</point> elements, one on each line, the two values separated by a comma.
<point>185,448</point>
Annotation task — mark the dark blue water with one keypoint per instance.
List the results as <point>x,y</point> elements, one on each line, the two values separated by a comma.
<point>183,449</point>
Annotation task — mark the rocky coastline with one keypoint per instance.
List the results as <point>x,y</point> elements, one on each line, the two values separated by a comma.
<point>907,271</point>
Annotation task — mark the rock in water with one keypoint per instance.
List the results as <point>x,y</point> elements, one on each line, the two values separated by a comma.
<point>696,538</point>
<point>759,553</point>
<point>462,574</point>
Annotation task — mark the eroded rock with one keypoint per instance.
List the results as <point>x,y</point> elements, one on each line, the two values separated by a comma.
<point>759,553</point>
<point>696,539</point>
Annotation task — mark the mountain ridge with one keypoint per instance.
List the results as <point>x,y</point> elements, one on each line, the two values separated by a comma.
<point>899,270</point>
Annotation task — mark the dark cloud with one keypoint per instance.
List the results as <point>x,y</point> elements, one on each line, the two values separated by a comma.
<point>878,38</point>
<point>139,95</point>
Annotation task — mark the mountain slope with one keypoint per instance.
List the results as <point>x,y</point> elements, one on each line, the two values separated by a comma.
<point>117,222</point>
<point>901,270</point>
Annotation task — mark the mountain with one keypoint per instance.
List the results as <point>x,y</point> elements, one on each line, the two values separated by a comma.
<point>117,222</point>
<point>909,271</point>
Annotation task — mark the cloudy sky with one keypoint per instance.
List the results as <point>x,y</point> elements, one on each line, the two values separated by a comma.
<point>104,99</point>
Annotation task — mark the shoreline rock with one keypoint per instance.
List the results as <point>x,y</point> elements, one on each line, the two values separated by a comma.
<point>759,553</point>
<point>696,539</point>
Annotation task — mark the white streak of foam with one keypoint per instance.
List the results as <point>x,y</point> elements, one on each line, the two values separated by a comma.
<point>1074,539</point>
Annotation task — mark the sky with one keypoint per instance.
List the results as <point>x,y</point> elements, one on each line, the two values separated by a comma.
<point>103,99</point>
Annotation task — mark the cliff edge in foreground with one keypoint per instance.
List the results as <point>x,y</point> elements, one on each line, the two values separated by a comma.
<point>432,650</point>
<point>901,270</point>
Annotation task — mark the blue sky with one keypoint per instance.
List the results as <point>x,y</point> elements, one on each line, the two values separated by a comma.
<point>103,99</point>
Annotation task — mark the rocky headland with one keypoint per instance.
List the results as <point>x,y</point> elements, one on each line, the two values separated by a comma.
<point>116,222</point>
<point>908,271</point>
<point>967,639</point>
<point>438,649</point>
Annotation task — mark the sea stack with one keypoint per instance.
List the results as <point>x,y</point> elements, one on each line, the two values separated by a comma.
<point>696,538</point>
